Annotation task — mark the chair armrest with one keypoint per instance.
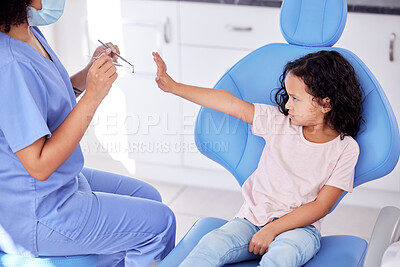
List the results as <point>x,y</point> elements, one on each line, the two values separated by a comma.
<point>386,231</point>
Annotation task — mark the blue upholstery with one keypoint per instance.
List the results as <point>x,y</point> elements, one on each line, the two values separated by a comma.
<point>313,22</point>
<point>308,26</point>
<point>8,260</point>
<point>343,251</point>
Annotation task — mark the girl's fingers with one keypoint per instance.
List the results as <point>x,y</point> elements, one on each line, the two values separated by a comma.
<point>256,250</point>
<point>160,58</point>
<point>160,64</point>
<point>250,247</point>
<point>161,67</point>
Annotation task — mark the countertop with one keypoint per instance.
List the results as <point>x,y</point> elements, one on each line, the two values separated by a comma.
<point>389,7</point>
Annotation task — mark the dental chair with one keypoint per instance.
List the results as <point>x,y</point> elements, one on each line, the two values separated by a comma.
<point>308,26</point>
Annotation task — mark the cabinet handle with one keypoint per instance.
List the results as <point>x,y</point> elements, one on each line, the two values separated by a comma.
<point>167,31</point>
<point>391,46</point>
<point>231,27</point>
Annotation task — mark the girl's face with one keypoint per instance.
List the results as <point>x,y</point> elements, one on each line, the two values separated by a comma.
<point>303,110</point>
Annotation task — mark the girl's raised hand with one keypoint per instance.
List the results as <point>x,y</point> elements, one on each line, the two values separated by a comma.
<point>163,80</point>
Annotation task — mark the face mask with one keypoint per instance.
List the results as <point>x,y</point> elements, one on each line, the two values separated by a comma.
<point>51,11</point>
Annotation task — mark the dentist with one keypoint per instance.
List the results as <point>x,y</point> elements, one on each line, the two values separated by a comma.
<point>49,204</point>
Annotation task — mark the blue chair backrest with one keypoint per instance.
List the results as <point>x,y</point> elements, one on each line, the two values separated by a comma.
<point>308,26</point>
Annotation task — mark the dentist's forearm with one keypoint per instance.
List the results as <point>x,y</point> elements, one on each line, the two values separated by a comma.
<point>79,80</point>
<point>44,157</point>
<point>67,136</point>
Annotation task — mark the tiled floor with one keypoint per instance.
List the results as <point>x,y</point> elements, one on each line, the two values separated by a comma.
<point>192,203</point>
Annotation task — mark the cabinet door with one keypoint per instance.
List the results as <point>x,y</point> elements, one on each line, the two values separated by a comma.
<point>138,121</point>
<point>369,37</point>
<point>232,26</point>
<point>152,26</point>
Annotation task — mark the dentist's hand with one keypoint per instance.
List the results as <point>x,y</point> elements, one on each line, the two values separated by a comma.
<point>101,76</point>
<point>109,52</point>
<point>163,80</point>
<point>79,80</point>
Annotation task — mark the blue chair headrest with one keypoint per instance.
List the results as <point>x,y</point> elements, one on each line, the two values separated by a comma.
<point>313,22</point>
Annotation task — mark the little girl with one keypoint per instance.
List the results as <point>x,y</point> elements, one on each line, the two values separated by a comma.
<point>307,162</point>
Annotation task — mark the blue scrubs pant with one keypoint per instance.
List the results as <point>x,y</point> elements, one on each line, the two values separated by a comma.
<point>128,225</point>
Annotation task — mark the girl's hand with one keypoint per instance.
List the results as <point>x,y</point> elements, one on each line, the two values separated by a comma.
<point>101,76</point>
<point>163,80</point>
<point>261,240</point>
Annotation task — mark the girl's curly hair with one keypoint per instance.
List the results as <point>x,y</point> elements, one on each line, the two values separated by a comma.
<point>13,13</point>
<point>328,74</point>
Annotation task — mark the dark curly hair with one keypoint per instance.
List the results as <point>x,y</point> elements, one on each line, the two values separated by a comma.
<point>13,13</point>
<point>328,74</point>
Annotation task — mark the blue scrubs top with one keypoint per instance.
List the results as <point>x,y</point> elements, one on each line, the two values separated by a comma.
<point>36,96</point>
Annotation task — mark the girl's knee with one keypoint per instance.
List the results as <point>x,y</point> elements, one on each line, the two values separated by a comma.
<point>292,248</point>
<point>216,240</point>
<point>285,254</point>
<point>302,237</point>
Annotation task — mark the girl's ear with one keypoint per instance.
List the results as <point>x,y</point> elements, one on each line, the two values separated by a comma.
<point>326,106</point>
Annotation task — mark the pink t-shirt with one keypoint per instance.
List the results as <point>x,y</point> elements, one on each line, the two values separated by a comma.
<point>292,170</point>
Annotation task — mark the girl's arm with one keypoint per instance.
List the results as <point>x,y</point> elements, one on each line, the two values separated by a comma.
<point>216,99</point>
<point>44,156</point>
<point>300,217</point>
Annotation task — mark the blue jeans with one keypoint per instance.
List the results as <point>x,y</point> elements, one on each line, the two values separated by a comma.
<point>128,225</point>
<point>229,244</point>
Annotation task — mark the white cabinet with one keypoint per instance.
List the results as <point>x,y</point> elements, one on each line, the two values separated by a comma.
<point>209,47</point>
<point>369,37</point>
<point>152,117</point>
